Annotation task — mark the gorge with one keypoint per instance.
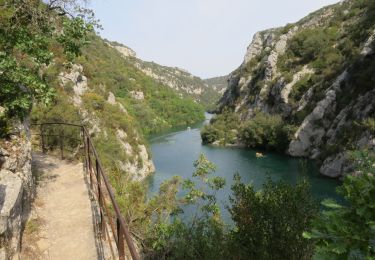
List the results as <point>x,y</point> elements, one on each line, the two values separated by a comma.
<point>292,126</point>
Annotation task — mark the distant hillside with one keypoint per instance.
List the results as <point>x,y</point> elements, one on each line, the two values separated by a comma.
<point>219,84</point>
<point>181,81</point>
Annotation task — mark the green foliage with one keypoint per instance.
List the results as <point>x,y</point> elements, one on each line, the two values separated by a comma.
<point>60,110</point>
<point>300,88</point>
<point>222,127</point>
<point>262,131</point>
<point>312,44</point>
<point>266,131</point>
<point>202,236</point>
<point>269,223</point>
<point>26,37</point>
<point>210,134</point>
<point>145,217</point>
<point>161,107</point>
<point>369,125</point>
<point>348,231</point>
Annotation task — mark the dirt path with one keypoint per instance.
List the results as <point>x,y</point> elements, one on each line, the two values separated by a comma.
<point>61,223</point>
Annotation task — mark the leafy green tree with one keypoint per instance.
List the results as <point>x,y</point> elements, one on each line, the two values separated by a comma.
<point>223,128</point>
<point>348,231</point>
<point>269,223</point>
<point>202,236</point>
<point>30,32</point>
<point>266,131</point>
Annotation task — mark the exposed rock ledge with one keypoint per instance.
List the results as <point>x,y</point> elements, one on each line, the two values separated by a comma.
<point>16,190</point>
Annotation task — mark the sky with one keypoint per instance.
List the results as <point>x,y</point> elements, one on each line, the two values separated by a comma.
<point>206,37</point>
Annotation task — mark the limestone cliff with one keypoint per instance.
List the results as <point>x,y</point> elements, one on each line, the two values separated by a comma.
<point>180,80</point>
<point>136,160</point>
<point>17,187</point>
<point>318,75</point>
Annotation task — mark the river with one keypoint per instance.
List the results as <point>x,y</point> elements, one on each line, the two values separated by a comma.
<point>174,153</point>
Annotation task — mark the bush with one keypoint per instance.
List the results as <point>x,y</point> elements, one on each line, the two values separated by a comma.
<point>209,134</point>
<point>222,127</point>
<point>266,131</point>
<point>201,236</point>
<point>93,101</point>
<point>301,87</point>
<point>348,231</point>
<point>269,223</point>
<point>60,111</point>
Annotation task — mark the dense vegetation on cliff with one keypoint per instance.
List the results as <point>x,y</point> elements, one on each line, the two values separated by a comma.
<point>120,104</point>
<point>205,92</point>
<point>27,39</point>
<point>160,107</point>
<point>316,76</point>
<point>280,221</point>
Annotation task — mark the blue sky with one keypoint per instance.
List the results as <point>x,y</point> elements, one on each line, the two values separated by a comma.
<point>206,37</point>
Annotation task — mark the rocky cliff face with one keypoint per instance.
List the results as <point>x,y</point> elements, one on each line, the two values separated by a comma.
<point>181,81</point>
<point>218,84</point>
<point>136,160</point>
<point>16,189</point>
<point>318,75</point>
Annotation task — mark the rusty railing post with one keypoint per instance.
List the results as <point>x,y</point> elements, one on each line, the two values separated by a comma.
<point>120,241</point>
<point>89,162</point>
<point>62,142</point>
<point>100,199</point>
<point>84,149</point>
<point>42,139</point>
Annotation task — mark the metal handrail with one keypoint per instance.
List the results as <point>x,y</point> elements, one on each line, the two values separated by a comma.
<point>121,231</point>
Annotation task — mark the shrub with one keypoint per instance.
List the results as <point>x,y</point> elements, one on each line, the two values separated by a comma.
<point>369,125</point>
<point>202,235</point>
<point>209,134</point>
<point>269,223</point>
<point>347,231</point>
<point>266,131</point>
<point>93,101</point>
<point>223,127</point>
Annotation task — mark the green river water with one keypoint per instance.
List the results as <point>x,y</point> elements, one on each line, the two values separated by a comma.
<point>174,153</point>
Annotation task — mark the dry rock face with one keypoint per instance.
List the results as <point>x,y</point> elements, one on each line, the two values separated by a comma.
<point>325,114</point>
<point>16,189</point>
<point>141,164</point>
<point>180,80</point>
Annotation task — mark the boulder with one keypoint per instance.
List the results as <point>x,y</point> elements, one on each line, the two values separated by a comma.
<point>334,166</point>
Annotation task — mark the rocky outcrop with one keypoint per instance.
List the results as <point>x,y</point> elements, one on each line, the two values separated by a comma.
<point>180,80</point>
<point>138,163</point>
<point>16,189</point>
<point>112,100</point>
<point>124,50</point>
<point>308,136</point>
<point>326,106</point>
<point>141,165</point>
<point>79,82</point>
<point>138,95</point>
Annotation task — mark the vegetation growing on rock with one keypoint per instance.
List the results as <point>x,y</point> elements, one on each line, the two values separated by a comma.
<point>315,75</point>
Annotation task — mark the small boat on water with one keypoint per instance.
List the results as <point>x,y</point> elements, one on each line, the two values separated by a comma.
<point>259,155</point>
<point>189,128</point>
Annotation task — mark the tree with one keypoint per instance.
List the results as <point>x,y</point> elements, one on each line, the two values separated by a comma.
<point>347,231</point>
<point>31,33</point>
<point>269,223</point>
<point>201,235</point>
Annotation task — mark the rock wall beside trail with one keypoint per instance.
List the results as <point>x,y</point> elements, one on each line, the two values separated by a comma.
<point>17,188</point>
<point>141,164</point>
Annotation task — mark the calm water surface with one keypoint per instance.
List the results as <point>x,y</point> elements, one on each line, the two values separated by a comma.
<point>174,153</point>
